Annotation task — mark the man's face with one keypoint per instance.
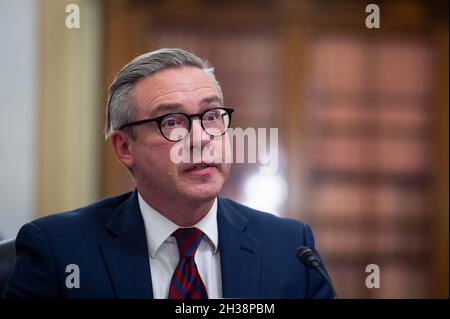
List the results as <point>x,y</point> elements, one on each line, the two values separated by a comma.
<point>187,90</point>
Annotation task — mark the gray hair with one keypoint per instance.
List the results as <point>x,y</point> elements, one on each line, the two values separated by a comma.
<point>120,108</point>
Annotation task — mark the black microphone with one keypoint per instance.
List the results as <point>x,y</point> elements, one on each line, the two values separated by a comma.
<point>307,257</point>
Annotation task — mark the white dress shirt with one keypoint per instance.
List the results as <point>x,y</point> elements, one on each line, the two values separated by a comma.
<point>164,256</point>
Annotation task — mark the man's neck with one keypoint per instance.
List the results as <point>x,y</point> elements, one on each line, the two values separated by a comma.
<point>183,213</point>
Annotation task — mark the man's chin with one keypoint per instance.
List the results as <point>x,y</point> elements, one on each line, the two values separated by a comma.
<point>201,194</point>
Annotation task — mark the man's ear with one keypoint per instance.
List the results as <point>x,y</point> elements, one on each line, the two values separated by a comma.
<point>120,142</point>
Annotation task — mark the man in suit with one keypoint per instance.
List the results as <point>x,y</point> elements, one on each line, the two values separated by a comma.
<point>172,237</point>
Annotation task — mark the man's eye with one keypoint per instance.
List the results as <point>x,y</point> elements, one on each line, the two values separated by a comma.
<point>171,122</point>
<point>211,116</point>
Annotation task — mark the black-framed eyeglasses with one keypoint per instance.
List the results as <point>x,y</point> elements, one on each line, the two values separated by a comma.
<point>176,126</point>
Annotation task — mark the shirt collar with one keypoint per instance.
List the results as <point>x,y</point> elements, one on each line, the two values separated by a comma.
<point>159,228</point>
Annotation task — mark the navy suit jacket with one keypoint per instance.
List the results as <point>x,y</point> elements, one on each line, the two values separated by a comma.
<point>107,241</point>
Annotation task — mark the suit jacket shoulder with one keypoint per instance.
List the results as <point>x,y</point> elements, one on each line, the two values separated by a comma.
<point>268,226</point>
<point>46,246</point>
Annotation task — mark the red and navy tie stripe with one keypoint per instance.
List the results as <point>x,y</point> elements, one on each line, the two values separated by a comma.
<point>186,282</point>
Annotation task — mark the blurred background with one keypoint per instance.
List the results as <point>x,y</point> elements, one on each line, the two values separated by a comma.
<point>362,116</point>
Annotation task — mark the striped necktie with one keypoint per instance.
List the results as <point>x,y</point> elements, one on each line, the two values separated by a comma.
<point>186,282</point>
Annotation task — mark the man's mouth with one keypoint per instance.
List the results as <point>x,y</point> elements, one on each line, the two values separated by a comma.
<point>199,166</point>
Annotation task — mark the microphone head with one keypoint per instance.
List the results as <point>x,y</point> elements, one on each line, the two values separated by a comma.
<point>307,257</point>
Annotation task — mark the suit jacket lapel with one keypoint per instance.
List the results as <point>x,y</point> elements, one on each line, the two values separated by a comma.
<point>126,253</point>
<point>240,254</point>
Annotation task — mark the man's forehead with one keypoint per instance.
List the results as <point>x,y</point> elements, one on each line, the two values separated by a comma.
<point>173,86</point>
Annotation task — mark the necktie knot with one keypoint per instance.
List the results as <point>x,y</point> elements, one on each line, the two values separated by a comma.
<point>188,240</point>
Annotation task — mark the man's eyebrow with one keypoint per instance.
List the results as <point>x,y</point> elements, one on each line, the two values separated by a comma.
<point>177,107</point>
<point>211,99</point>
<point>165,108</point>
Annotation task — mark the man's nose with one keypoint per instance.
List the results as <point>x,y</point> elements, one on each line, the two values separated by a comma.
<point>198,136</point>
